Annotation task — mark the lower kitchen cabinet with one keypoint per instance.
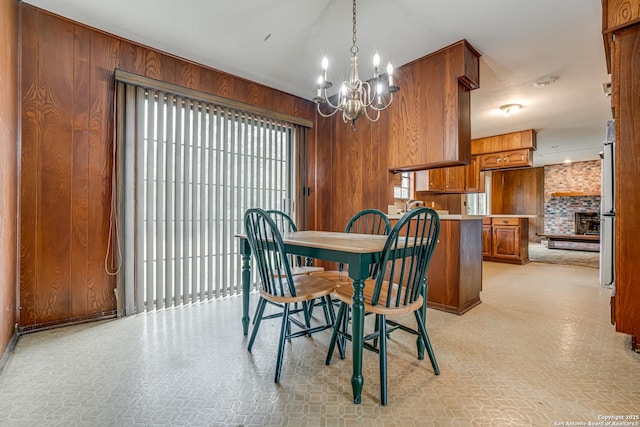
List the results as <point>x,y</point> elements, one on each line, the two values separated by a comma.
<point>486,237</point>
<point>505,239</point>
<point>454,278</point>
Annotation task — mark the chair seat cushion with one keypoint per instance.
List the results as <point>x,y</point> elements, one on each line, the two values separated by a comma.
<point>308,287</point>
<point>345,294</point>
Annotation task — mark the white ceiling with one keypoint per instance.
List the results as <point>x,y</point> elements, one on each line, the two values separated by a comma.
<point>280,43</point>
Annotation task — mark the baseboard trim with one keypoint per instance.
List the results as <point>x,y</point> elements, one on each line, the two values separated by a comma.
<point>110,314</point>
<point>4,360</point>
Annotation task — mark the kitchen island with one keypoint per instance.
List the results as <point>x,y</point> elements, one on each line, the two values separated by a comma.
<point>454,277</point>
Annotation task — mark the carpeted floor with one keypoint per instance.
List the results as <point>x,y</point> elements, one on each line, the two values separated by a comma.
<point>538,252</point>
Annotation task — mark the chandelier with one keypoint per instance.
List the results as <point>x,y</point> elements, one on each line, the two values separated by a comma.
<point>356,97</point>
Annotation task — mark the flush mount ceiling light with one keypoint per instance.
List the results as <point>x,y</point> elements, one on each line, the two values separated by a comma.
<point>545,81</point>
<point>510,108</point>
<point>356,97</point>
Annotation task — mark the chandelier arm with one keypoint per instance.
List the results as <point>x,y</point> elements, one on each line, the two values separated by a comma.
<point>366,113</point>
<point>326,114</point>
<point>367,99</point>
<point>328,101</point>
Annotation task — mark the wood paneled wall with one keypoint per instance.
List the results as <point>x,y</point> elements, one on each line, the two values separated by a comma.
<point>352,170</point>
<point>9,143</point>
<point>67,132</point>
<point>520,191</point>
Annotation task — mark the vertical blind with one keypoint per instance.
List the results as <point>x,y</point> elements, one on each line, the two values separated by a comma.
<point>191,169</point>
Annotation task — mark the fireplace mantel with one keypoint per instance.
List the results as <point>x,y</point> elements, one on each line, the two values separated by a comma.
<point>574,194</point>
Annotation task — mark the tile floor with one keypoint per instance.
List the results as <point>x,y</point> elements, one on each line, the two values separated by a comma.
<point>538,351</point>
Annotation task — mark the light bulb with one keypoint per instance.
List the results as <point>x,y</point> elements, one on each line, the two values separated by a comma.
<point>376,60</point>
<point>325,63</point>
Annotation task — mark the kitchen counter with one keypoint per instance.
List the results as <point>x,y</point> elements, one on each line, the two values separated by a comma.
<point>445,217</point>
<point>454,278</point>
<point>511,216</point>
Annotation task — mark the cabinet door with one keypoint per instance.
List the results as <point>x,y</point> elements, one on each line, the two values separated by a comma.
<point>516,158</point>
<point>474,179</point>
<point>422,180</point>
<point>455,179</point>
<point>431,180</point>
<point>506,241</point>
<point>491,161</point>
<point>437,179</point>
<point>487,245</point>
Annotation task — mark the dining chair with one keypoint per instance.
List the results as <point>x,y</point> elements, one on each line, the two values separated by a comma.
<point>399,286</point>
<point>286,224</point>
<point>368,221</point>
<point>279,286</point>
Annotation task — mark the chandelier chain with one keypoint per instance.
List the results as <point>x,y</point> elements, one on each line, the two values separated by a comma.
<point>354,48</point>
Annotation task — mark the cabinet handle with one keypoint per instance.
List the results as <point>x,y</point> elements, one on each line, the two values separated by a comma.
<point>506,159</point>
<point>505,221</point>
<point>499,159</point>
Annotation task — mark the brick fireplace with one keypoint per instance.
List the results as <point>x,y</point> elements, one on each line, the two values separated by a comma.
<point>570,189</point>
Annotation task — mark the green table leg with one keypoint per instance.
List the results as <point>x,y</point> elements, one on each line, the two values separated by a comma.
<point>357,380</point>
<point>246,285</point>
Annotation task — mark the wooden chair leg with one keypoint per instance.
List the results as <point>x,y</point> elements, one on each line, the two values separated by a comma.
<point>334,334</point>
<point>425,338</point>
<point>332,318</point>
<point>382,327</point>
<point>262,303</point>
<point>342,342</point>
<point>256,314</point>
<point>307,308</point>
<point>376,328</point>
<point>329,314</point>
<point>327,308</point>
<point>283,335</point>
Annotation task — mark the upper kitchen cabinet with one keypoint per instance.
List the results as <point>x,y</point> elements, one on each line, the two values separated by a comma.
<point>430,117</point>
<point>458,179</point>
<point>505,142</point>
<point>510,150</point>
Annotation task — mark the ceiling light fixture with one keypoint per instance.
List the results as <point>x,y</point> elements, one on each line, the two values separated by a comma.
<point>356,97</point>
<point>545,81</point>
<point>510,108</point>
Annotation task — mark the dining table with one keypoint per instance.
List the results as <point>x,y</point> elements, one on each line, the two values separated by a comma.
<point>358,251</point>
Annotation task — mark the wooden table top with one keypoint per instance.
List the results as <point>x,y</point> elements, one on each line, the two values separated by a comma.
<point>334,241</point>
<point>344,242</point>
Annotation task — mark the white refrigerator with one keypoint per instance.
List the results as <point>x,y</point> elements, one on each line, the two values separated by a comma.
<point>608,209</point>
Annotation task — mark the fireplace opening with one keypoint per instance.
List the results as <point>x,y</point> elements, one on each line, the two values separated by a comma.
<point>587,223</point>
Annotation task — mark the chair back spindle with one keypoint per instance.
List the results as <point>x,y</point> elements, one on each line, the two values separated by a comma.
<point>268,249</point>
<point>369,221</point>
